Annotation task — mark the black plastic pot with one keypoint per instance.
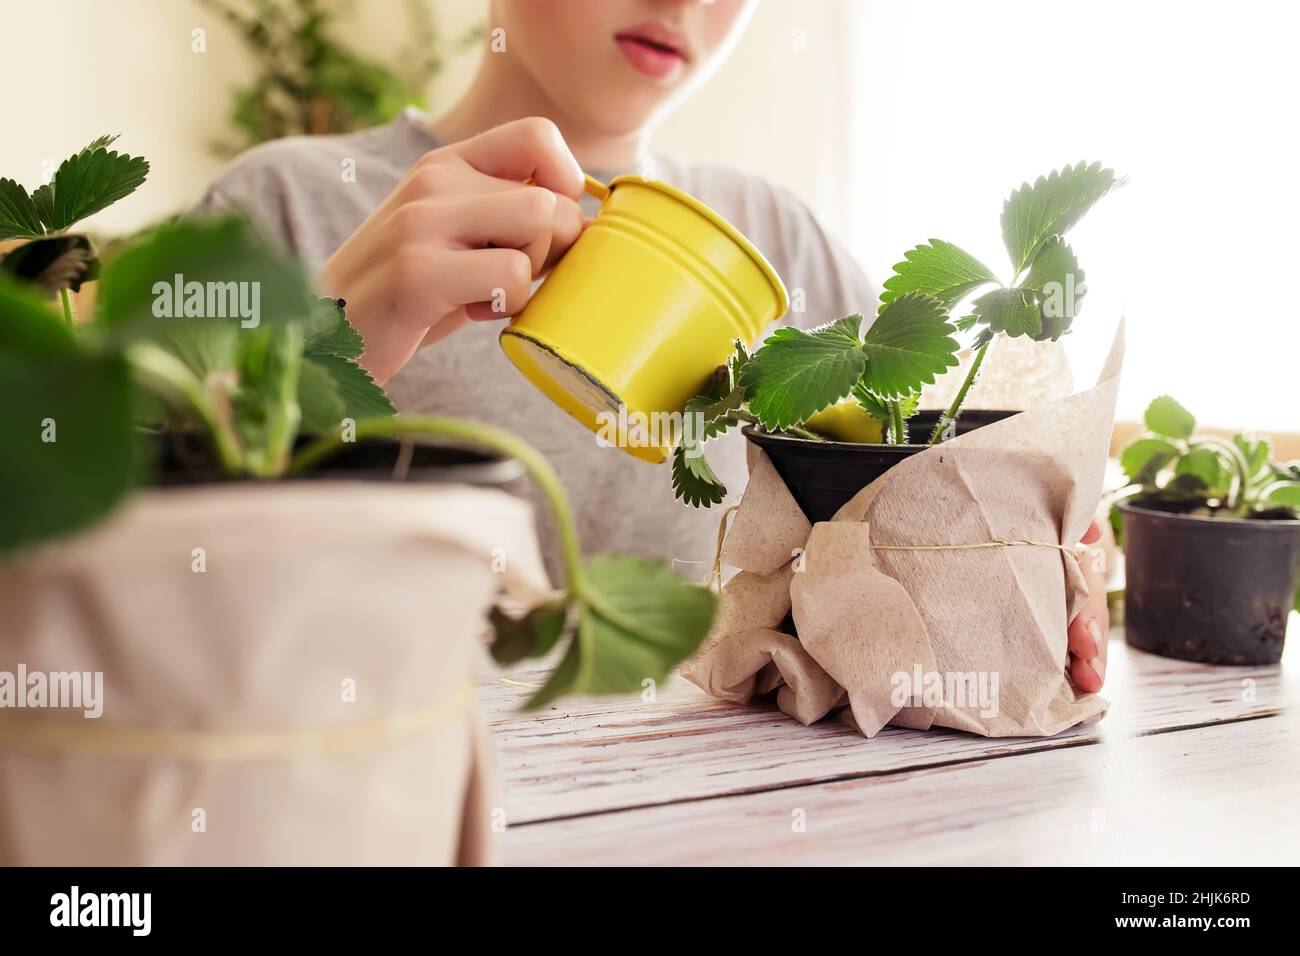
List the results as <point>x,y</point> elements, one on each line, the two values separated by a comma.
<point>186,459</point>
<point>1214,590</point>
<point>823,475</point>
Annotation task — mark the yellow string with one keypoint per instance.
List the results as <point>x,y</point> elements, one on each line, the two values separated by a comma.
<point>87,736</point>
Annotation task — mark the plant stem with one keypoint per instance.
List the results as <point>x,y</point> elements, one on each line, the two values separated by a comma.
<point>1237,498</point>
<point>167,373</point>
<point>476,433</point>
<point>897,427</point>
<point>950,416</point>
<point>68,317</point>
<point>286,414</point>
<point>798,431</point>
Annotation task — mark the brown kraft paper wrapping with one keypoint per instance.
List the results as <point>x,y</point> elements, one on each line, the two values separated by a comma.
<point>223,690</point>
<point>984,629</point>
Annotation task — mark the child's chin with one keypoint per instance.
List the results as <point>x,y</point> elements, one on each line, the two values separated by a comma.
<point>629,113</point>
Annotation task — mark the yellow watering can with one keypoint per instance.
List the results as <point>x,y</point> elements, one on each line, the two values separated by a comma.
<point>630,324</point>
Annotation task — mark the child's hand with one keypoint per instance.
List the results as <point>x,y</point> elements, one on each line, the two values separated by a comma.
<point>461,237</point>
<point>1090,627</point>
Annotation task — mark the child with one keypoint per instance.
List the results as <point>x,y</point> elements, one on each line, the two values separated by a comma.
<point>416,223</point>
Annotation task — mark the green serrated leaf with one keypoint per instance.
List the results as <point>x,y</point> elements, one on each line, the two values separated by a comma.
<point>796,373</point>
<point>533,635</point>
<point>694,482</point>
<point>938,269</point>
<point>1143,458</point>
<point>739,357</point>
<point>1164,416</point>
<point>328,331</point>
<point>873,405</point>
<point>18,215</point>
<point>1050,207</point>
<point>715,416</point>
<point>907,346</point>
<point>847,329</point>
<point>101,142</point>
<point>333,386</point>
<point>1013,311</point>
<point>87,183</point>
<point>1056,277</point>
<point>642,620</point>
<point>358,394</point>
<point>53,263</point>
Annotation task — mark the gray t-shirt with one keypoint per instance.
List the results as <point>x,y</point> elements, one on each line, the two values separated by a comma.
<point>313,192</point>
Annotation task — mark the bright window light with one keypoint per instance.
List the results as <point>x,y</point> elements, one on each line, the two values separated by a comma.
<point>955,103</point>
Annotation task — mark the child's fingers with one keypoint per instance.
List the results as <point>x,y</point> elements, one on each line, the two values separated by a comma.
<point>529,218</point>
<point>501,278</point>
<point>569,223</point>
<point>522,218</point>
<point>463,206</point>
<point>440,330</point>
<point>530,148</point>
<point>1083,676</point>
<point>1087,634</point>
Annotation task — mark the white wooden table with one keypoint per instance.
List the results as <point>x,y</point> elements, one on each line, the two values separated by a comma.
<point>1193,765</point>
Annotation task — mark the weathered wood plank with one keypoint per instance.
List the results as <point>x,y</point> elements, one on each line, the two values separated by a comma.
<point>1224,794</point>
<point>599,754</point>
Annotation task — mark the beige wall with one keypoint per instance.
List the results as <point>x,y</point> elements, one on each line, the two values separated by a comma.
<point>128,67</point>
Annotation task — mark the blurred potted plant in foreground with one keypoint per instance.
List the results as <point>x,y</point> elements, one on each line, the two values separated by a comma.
<point>1211,540</point>
<point>311,83</point>
<point>206,335</point>
<point>230,595</point>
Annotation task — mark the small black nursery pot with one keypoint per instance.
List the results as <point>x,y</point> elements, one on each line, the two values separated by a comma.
<point>1214,590</point>
<point>824,475</point>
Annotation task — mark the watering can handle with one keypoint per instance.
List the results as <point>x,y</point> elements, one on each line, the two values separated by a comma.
<point>590,185</point>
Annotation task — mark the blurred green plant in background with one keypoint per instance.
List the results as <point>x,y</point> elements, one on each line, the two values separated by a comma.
<point>310,83</point>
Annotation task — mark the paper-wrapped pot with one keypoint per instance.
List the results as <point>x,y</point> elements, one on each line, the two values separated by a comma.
<point>287,678</point>
<point>938,596</point>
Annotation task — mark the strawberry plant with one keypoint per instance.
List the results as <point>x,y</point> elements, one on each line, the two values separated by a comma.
<point>795,375</point>
<point>55,259</point>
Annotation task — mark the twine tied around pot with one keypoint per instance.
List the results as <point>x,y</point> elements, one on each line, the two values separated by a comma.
<point>85,736</point>
<point>714,580</point>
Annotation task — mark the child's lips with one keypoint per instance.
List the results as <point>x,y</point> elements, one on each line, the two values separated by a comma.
<point>655,60</point>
